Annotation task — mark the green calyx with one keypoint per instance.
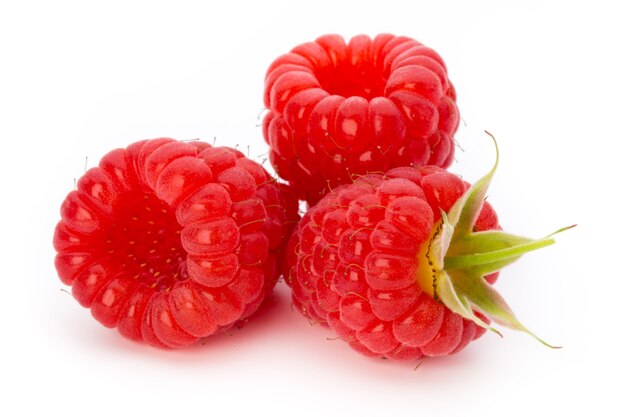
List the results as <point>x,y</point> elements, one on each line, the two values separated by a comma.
<point>460,258</point>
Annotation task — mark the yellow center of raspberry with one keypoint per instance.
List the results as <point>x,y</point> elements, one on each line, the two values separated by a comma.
<point>425,268</point>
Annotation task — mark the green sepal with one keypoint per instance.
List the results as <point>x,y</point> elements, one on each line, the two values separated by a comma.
<point>484,297</point>
<point>482,256</point>
<point>460,259</point>
<point>465,211</point>
<point>486,241</point>
<point>457,301</point>
<point>440,244</point>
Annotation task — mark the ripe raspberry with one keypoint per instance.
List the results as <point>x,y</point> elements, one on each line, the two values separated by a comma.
<point>340,109</point>
<point>171,241</point>
<point>401,265</point>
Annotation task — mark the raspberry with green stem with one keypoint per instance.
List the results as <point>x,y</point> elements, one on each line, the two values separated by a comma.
<point>402,265</point>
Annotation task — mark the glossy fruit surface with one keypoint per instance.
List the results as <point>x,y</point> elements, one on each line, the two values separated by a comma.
<point>401,265</point>
<point>172,241</point>
<point>340,109</point>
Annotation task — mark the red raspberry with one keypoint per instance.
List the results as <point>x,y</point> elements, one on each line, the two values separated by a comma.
<point>171,241</point>
<point>397,265</point>
<point>340,109</point>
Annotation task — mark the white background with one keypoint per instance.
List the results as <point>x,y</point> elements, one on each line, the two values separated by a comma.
<point>547,78</point>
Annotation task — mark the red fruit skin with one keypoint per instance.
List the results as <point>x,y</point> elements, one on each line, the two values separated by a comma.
<point>338,110</point>
<point>352,263</point>
<point>170,242</point>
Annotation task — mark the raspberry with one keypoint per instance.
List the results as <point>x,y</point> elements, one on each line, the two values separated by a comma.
<point>401,265</point>
<point>337,109</point>
<point>170,241</point>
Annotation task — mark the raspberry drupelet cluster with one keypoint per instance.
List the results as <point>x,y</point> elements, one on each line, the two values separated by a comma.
<point>170,241</point>
<point>401,265</point>
<point>355,263</point>
<point>340,109</point>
